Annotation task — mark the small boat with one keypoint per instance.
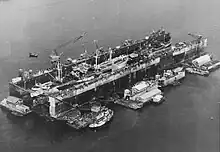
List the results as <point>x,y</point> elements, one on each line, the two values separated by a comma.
<point>102,118</point>
<point>15,105</point>
<point>158,99</point>
<point>33,55</point>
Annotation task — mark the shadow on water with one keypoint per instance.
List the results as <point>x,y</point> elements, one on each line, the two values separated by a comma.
<point>57,131</point>
<point>35,126</point>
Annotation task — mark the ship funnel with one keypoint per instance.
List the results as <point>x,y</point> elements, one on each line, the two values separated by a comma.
<point>147,37</point>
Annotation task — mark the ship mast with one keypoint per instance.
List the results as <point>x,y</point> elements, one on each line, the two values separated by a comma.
<point>96,54</point>
<point>96,59</point>
<point>60,72</point>
<point>110,54</point>
<point>85,52</point>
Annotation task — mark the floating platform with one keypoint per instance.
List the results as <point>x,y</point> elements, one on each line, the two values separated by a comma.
<point>171,76</point>
<point>129,104</point>
<point>197,71</point>
<point>212,65</point>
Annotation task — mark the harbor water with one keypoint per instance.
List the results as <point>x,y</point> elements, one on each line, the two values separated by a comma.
<point>187,122</point>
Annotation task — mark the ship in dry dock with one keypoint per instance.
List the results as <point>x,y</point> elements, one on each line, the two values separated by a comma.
<point>60,92</point>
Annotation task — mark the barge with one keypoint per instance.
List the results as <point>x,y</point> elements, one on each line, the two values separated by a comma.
<point>15,105</point>
<point>141,93</point>
<point>203,65</point>
<point>198,71</point>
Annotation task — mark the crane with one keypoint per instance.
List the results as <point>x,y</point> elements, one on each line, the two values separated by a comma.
<point>99,49</point>
<point>55,57</point>
<point>195,36</point>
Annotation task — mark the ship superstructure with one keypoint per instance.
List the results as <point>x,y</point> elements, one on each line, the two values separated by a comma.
<point>169,77</point>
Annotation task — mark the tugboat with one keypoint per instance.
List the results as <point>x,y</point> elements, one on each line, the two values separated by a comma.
<point>104,116</point>
<point>15,105</point>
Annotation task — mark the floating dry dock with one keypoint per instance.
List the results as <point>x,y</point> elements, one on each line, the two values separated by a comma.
<point>63,85</point>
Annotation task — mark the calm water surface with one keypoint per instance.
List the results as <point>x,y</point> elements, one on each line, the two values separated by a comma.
<point>182,124</point>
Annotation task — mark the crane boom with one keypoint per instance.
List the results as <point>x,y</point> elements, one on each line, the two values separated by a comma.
<point>70,41</point>
<point>195,36</point>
